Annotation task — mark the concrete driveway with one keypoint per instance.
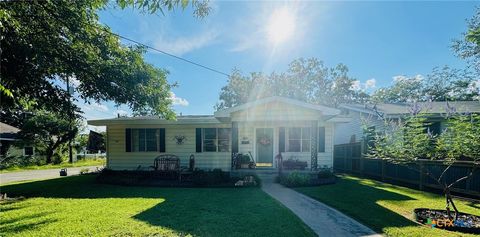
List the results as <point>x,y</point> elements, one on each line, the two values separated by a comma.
<point>40,174</point>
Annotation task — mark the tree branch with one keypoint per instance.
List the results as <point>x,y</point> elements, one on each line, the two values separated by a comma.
<point>463,178</point>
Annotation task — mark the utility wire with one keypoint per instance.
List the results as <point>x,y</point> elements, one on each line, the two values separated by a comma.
<point>169,54</point>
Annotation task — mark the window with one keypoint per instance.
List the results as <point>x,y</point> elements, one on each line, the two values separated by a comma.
<point>145,139</point>
<point>298,140</point>
<point>28,151</point>
<point>216,139</point>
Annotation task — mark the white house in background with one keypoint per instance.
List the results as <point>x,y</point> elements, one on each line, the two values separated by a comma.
<point>263,128</point>
<point>8,142</point>
<point>372,117</point>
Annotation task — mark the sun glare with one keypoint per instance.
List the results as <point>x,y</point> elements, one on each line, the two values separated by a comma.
<point>281,25</point>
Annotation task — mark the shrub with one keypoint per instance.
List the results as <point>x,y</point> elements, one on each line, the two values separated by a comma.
<point>325,174</point>
<point>214,177</point>
<point>297,179</point>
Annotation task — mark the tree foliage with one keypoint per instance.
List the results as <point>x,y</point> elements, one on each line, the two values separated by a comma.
<point>48,132</point>
<point>306,79</point>
<point>45,43</point>
<point>468,47</point>
<point>442,84</point>
<point>408,140</point>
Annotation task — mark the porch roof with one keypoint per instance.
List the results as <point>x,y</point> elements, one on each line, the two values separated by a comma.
<point>327,111</point>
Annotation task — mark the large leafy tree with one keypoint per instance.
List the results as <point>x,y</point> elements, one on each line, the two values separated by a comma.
<point>45,43</point>
<point>468,47</point>
<point>48,132</point>
<point>306,79</point>
<point>442,84</point>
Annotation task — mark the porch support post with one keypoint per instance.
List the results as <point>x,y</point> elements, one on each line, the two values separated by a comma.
<point>234,142</point>
<point>313,145</point>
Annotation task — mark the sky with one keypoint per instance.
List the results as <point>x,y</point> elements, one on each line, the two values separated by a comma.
<point>378,41</point>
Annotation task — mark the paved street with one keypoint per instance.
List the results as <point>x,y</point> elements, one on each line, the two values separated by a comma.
<point>39,174</point>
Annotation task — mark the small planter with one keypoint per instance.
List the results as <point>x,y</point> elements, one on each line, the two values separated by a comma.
<point>63,172</point>
<point>466,223</point>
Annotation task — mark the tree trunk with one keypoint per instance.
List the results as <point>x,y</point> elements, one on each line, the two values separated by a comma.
<point>49,155</point>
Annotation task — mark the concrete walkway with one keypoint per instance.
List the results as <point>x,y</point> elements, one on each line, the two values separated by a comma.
<point>324,220</point>
<point>40,174</point>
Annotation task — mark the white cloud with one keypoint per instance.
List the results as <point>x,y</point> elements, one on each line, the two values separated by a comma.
<point>120,112</point>
<point>99,107</point>
<point>400,78</point>
<point>96,107</point>
<point>177,100</point>
<point>183,45</point>
<point>474,87</point>
<point>370,83</point>
<point>359,86</point>
<point>356,86</point>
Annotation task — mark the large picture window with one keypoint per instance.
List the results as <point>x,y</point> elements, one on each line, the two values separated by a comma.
<point>298,140</point>
<point>216,139</point>
<point>145,139</point>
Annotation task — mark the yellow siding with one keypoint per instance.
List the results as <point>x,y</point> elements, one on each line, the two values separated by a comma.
<point>119,159</point>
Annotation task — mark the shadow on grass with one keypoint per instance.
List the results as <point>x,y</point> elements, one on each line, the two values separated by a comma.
<point>360,202</point>
<point>24,222</point>
<point>83,186</point>
<point>197,211</point>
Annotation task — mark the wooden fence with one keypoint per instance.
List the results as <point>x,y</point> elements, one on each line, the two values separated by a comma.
<point>348,158</point>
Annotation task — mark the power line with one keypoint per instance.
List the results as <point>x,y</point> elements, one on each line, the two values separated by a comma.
<point>169,54</point>
<point>144,45</point>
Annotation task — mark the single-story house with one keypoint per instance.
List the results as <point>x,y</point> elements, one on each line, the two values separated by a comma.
<point>368,118</point>
<point>262,128</point>
<point>8,145</point>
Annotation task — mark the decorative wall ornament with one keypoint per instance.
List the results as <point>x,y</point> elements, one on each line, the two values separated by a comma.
<point>264,140</point>
<point>179,139</point>
<point>245,140</point>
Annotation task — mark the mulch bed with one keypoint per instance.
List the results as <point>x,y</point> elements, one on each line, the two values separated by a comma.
<point>466,223</point>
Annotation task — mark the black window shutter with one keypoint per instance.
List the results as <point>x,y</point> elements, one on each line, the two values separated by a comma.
<point>321,139</point>
<point>128,140</point>
<point>198,139</point>
<point>162,140</point>
<point>234,137</point>
<point>281,140</point>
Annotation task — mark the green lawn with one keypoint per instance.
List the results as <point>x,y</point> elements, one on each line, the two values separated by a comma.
<point>80,163</point>
<point>77,206</point>
<point>383,207</point>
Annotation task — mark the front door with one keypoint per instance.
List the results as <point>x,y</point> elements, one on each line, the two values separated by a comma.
<point>264,147</point>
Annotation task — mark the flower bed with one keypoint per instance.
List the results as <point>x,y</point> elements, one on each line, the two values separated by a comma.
<point>466,223</point>
<point>298,179</point>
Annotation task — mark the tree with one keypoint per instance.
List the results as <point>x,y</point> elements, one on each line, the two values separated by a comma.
<point>410,140</point>
<point>44,44</point>
<point>306,79</point>
<point>48,132</point>
<point>442,84</point>
<point>468,47</point>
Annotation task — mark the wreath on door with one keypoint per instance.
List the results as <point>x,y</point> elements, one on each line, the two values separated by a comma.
<point>264,140</point>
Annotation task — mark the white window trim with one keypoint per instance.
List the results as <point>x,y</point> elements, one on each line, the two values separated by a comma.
<point>157,135</point>
<point>33,151</point>
<point>216,140</point>
<point>287,135</point>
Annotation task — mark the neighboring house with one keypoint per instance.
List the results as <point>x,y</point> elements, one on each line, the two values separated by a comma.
<point>372,117</point>
<point>8,139</point>
<point>263,128</point>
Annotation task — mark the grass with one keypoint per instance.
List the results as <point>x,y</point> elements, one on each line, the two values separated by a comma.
<point>80,163</point>
<point>77,206</point>
<point>385,208</point>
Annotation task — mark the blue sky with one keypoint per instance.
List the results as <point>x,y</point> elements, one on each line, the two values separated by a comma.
<point>376,40</point>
